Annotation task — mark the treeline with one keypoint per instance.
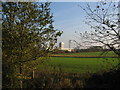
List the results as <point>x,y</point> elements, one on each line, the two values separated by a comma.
<point>80,50</point>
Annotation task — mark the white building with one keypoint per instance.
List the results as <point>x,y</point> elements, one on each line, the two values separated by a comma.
<point>61,47</point>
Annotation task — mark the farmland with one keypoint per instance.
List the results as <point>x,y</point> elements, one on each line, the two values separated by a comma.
<point>82,65</point>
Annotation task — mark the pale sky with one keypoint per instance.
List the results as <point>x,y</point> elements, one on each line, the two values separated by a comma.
<point>69,17</point>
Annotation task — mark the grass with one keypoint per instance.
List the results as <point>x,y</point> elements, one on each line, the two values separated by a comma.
<point>81,65</point>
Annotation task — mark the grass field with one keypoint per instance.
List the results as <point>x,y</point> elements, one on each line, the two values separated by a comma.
<point>81,65</point>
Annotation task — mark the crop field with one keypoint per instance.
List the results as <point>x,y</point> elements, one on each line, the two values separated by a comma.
<point>82,65</point>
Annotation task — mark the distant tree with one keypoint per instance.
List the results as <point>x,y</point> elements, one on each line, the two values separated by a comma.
<point>28,34</point>
<point>105,20</point>
<point>95,48</point>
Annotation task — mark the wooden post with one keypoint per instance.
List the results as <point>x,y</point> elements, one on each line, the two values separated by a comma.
<point>21,86</point>
<point>33,73</point>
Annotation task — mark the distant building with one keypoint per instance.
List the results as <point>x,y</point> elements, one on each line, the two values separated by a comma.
<point>61,47</point>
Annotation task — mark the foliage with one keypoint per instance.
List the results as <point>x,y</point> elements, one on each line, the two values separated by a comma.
<point>56,80</point>
<point>59,80</point>
<point>28,33</point>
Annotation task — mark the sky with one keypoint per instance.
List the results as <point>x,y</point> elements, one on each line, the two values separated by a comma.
<point>69,17</point>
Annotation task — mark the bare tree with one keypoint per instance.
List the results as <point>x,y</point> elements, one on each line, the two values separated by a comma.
<point>105,20</point>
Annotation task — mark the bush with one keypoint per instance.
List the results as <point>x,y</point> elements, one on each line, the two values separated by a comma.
<point>106,80</point>
<point>56,80</point>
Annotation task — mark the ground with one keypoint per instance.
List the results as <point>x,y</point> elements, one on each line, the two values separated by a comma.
<point>81,64</point>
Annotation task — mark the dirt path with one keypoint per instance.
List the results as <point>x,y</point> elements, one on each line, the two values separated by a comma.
<point>83,56</point>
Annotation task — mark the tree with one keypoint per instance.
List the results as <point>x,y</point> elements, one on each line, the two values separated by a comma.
<point>105,20</point>
<point>28,34</point>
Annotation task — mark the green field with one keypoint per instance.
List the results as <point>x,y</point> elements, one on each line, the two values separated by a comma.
<point>81,65</point>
